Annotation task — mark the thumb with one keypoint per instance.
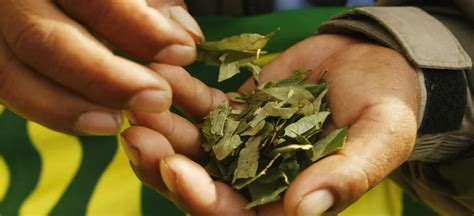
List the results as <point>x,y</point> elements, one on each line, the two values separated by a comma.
<point>378,142</point>
<point>193,190</point>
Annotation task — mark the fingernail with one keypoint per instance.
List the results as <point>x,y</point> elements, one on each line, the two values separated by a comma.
<point>315,203</point>
<point>99,123</point>
<point>183,18</point>
<point>132,153</point>
<point>132,118</point>
<point>176,55</point>
<point>151,101</point>
<point>168,176</point>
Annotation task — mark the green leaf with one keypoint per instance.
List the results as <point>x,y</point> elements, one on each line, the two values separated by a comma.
<point>290,94</point>
<point>230,126</point>
<point>299,95</point>
<point>318,101</point>
<point>302,139</point>
<point>209,138</point>
<point>329,144</point>
<point>241,184</point>
<point>275,109</point>
<point>247,164</point>
<point>231,67</point>
<point>243,42</point>
<point>316,88</point>
<point>291,168</point>
<point>242,127</point>
<point>237,99</point>
<point>226,146</point>
<point>254,130</point>
<point>305,124</point>
<point>260,115</point>
<point>218,118</point>
<point>273,176</point>
<point>266,130</point>
<point>213,56</point>
<point>296,78</point>
<point>228,70</point>
<point>255,69</point>
<point>265,59</point>
<point>236,112</point>
<point>280,93</point>
<point>234,52</point>
<point>306,108</point>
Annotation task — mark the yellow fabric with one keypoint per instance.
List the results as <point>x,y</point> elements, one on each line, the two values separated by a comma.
<point>383,200</point>
<point>1,109</point>
<point>4,178</point>
<point>118,190</point>
<point>60,159</point>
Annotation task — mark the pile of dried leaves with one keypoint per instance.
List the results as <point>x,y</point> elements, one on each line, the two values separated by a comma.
<point>261,148</point>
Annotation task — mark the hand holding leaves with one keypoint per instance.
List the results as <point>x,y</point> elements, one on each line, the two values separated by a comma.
<point>372,89</point>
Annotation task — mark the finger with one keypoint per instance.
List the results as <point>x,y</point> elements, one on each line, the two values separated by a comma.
<point>145,148</point>
<point>305,55</point>
<point>195,192</point>
<point>178,12</point>
<point>190,95</point>
<point>146,32</point>
<point>36,98</point>
<point>185,136</point>
<point>62,50</point>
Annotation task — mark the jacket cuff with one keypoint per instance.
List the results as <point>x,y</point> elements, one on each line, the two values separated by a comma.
<point>425,41</point>
<point>438,58</point>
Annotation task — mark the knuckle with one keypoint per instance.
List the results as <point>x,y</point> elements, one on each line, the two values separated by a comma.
<point>94,80</point>
<point>366,181</point>
<point>31,36</point>
<point>360,179</point>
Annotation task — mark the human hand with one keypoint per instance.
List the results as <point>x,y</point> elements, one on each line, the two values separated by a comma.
<point>373,90</point>
<point>53,71</point>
